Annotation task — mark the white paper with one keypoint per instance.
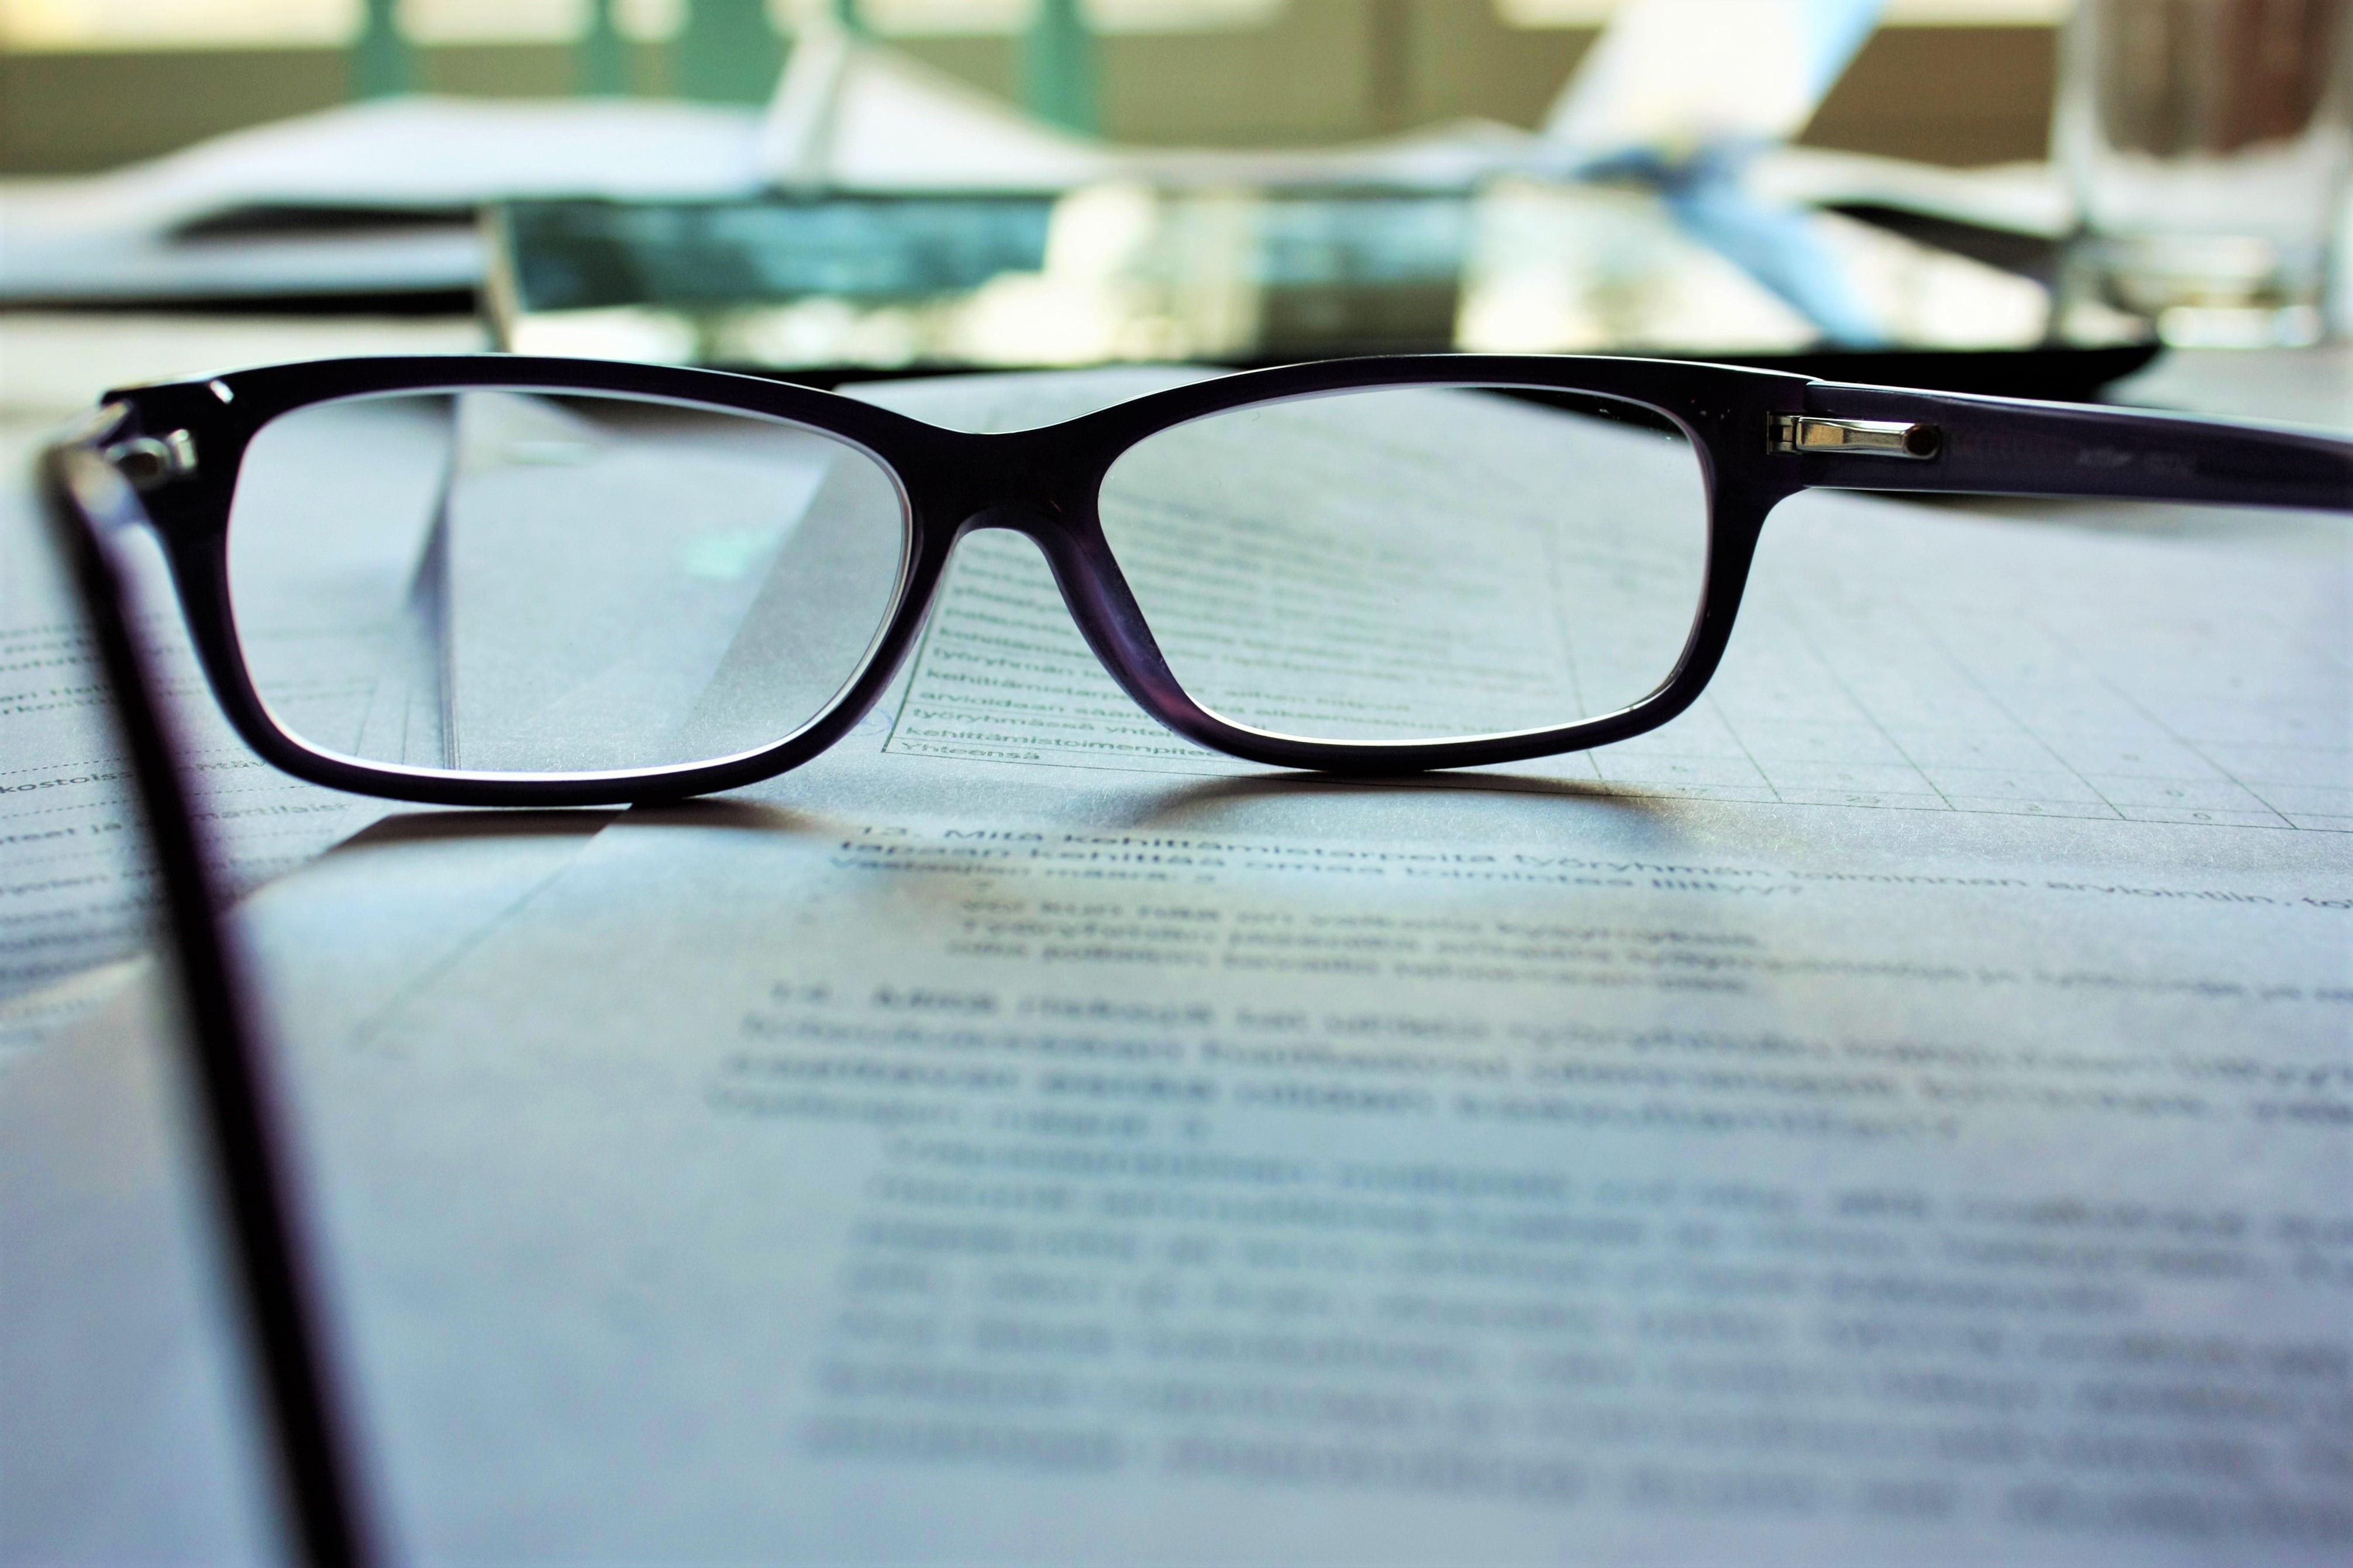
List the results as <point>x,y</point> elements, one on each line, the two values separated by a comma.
<point>1212,1194</point>
<point>71,896</point>
<point>126,1418</point>
<point>1894,1114</point>
<point>74,888</point>
<point>335,511</point>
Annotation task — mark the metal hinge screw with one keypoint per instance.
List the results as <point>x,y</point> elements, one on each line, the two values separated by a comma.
<point>147,461</point>
<point>1810,433</point>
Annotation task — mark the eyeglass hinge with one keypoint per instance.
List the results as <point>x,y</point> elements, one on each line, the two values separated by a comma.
<point>1854,438</point>
<point>147,462</point>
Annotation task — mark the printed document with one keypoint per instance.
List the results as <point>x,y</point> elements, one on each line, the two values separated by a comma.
<point>73,892</point>
<point>1899,1113</point>
<point>71,898</point>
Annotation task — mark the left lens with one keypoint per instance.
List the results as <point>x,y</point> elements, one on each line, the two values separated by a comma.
<point>1415,563</point>
<point>518,581</point>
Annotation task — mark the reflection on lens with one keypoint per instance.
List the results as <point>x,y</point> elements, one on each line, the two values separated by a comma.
<point>536,581</point>
<point>1411,565</point>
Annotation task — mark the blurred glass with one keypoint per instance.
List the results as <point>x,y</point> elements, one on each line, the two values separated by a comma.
<point>2206,144</point>
<point>1122,271</point>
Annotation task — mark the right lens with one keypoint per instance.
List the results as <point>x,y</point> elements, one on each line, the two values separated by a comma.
<point>518,581</point>
<point>1415,563</point>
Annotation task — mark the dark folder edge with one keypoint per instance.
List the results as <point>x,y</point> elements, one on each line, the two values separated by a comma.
<point>2057,373</point>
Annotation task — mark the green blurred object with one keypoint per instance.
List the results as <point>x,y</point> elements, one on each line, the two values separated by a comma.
<point>380,63</point>
<point>728,52</point>
<point>604,58</point>
<point>848,15</point>
<point>1058,68</point>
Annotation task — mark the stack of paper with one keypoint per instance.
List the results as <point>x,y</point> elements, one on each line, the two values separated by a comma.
<point>1896,1113</point>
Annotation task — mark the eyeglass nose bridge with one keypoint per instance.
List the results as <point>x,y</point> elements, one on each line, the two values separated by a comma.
<point>1096,593</point>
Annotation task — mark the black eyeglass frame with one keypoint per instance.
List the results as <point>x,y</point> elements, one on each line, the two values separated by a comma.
<point>326,1508</point>
<point>1760,436</point>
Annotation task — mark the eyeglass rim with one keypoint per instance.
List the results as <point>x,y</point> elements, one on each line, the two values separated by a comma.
<point>1044,483</point>
<point>611,775</point>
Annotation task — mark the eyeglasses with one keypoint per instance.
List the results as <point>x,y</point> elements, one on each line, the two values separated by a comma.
<point>195,470</point>
<point>502,581</point>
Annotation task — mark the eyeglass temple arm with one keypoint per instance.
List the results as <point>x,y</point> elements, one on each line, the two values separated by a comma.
<point>1955,443</point>
<point>83,498</point>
